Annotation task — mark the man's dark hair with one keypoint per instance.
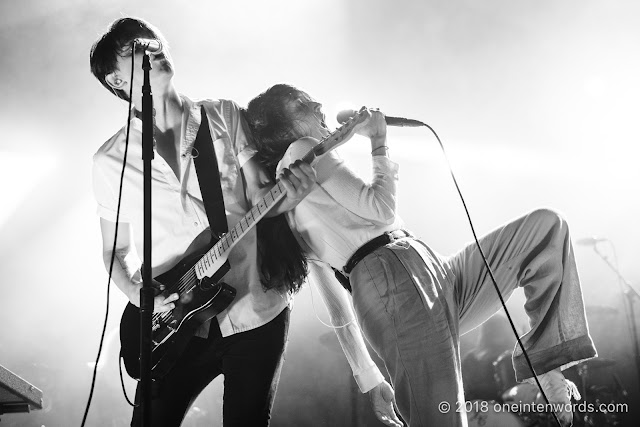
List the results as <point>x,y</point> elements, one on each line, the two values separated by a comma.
<point>114,43</point>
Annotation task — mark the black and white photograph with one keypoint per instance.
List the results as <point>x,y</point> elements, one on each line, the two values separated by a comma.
<point>323,213</point>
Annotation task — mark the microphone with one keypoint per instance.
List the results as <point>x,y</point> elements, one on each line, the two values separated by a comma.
<point>152,46</point>
<point>590,241</point>
<point>345,115</point>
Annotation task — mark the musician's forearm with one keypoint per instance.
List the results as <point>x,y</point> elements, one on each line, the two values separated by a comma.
<point>379,146</point>
<point>125,274</point>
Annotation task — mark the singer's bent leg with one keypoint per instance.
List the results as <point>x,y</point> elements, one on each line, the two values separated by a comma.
<point>534,252</point>
<point>404,305</point>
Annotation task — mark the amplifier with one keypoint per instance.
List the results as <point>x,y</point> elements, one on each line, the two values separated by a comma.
<point>16,394</point>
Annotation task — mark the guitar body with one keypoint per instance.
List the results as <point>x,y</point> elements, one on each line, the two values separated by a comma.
<point>200,300</point>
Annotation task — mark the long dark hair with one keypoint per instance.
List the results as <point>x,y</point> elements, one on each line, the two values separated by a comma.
<point>271,124</point>
<point>283,261</point>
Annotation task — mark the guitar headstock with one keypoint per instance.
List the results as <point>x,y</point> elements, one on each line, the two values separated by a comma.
<point>341,134</point>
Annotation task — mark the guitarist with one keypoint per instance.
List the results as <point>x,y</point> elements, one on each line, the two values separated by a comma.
<point>246,341</point>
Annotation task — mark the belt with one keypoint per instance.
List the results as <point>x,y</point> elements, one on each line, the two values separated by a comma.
<point>372,245</point>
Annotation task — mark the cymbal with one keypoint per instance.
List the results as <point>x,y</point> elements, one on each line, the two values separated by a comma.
<point>598,362</point>
<point>525,393</point>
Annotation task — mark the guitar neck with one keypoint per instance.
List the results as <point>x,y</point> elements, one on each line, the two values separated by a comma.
<point>208,264</point>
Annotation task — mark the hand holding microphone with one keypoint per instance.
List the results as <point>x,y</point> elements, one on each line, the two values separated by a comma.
<point>345,115</point>
<point>378,132</point>
<point>372,125</point>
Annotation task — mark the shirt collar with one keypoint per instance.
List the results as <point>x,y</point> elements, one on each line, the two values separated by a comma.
<point>190,121</point>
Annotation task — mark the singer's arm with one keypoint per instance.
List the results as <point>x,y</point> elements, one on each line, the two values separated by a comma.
<point>365,371</point>
<point>374,128</point>
<point>374,201</point>
<point>343,319</point>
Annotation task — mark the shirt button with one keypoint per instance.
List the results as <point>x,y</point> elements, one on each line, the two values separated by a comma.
<point>195,223</point>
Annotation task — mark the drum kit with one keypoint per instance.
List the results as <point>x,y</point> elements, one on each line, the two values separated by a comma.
<point>525,395</point>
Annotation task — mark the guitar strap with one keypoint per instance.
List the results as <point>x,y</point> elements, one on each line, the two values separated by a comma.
<point>204,158</point>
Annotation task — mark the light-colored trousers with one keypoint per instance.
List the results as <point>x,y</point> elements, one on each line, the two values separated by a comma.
<point>413,304</point>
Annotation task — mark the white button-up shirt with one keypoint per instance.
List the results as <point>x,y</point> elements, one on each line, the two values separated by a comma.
<point>178,212</point>
<point>341,214</point>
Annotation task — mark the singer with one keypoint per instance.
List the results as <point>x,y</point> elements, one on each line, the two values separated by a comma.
<point>411,302</point>
<point>246,341</point>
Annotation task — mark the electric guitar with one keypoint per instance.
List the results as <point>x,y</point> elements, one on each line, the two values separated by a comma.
<point>197,279</point>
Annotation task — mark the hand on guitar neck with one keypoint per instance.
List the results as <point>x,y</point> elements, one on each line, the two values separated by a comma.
<point>298,180</point>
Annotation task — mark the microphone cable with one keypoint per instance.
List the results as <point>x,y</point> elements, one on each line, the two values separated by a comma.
<point>113,251</point>
<point>493,279</point>
<point>317,282</point>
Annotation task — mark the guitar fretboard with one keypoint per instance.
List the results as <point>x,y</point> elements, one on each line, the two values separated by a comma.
<point>209,262</point>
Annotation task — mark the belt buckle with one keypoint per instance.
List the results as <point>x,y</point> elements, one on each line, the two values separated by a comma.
<point>396,235</point>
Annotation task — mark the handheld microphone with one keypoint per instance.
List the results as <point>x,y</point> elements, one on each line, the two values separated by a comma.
<point>152,46</point>
<point>590,241</point>
<point>345,115</point>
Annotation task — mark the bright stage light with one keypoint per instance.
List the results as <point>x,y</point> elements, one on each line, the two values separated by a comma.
<point>22,172</point>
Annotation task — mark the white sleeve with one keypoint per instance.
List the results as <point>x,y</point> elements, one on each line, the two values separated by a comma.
<point>105,194</point>
<point>375,201</point>
<point>238,132</point>
<point>336,298</point>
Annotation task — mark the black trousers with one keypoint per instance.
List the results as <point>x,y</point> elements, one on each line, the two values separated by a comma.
<point>250,362</point>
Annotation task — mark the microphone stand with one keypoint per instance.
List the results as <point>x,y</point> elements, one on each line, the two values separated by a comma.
<point>629,293</point>
<point>147,291</point>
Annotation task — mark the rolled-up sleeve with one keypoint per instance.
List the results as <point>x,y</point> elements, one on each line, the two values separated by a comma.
<point>103,192</point>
